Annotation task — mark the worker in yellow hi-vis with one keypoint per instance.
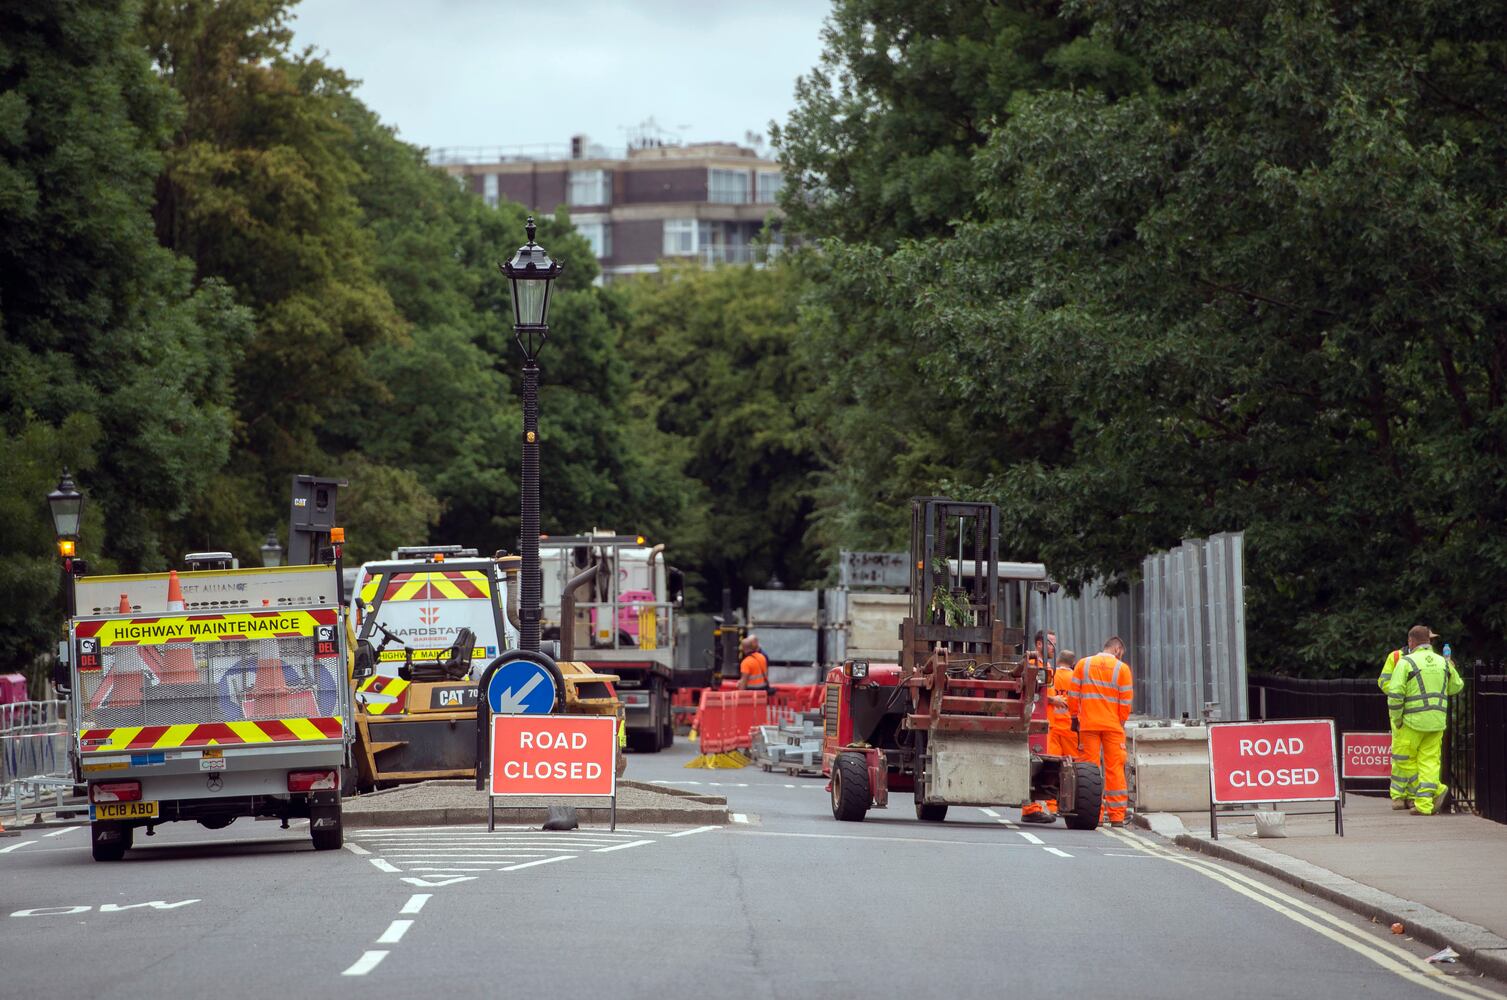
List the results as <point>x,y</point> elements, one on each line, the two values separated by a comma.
<point>1419,691</point>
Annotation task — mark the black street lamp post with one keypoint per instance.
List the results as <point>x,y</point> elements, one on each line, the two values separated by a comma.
<point>66,504</point>
<point>272,552</point>
<point>531,273</point>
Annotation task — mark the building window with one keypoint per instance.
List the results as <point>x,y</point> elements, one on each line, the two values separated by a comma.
<point>680,237</point>
<point>489,189</point>
<point>589,187</point>
<point>599,235</point>
<point>769,186</point>
<point>727,186</point>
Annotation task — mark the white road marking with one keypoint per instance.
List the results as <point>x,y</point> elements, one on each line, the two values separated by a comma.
<point>990,812</point>
<point>789,786</point>
<point>886,840</point>
<point>16,847</point>
<point>395,932</point>
<point>1030,838</point>
<point>1060,854</point>
<point>422,868</point>
<point>427,884</point>
<point>416,902</point>
<point>384,866</point>
<point>500,852</point>
<point>620,847</point>
<point>699,829</point>
<point>368,961</point>
<point>1379,950</point>
<point>355,848</point>
<point>59,833</point>
<point>531,864</point>
<point>738,817</point>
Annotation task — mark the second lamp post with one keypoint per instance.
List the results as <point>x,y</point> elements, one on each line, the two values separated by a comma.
<point>530,272</point>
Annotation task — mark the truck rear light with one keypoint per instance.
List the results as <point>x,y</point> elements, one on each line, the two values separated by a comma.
<point>115,791</point>
<point>313,781</point>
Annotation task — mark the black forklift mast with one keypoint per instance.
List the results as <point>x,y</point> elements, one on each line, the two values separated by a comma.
<point>311,517</point>
<point>957,609</point>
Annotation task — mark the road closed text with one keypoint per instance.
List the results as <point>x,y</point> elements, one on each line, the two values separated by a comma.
<point>565,755</point>
<point>1272,761</point>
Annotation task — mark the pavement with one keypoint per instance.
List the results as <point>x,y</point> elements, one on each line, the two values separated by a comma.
<point>1441,876</point>
<point>778,899</point>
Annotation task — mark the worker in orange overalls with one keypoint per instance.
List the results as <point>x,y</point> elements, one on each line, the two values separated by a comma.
<point>1099,695</point>
<point>753,669</point>
<point>1046,649</point>
<point>1062,736</point>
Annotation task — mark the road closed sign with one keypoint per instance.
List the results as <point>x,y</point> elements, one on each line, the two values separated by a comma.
<point>554,755</point>
<point>1366,755</point>
<point>1287,761</point>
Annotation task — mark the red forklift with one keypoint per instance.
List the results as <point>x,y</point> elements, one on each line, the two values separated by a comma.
<point>951,722</point>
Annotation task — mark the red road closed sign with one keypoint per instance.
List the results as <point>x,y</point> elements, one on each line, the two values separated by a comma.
<point>1366,755</point>
<point>1287,761</point>
<point>554,755</point>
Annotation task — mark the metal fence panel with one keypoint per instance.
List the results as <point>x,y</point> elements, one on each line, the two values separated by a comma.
<point>34,760</point>
<point>1183,624</point>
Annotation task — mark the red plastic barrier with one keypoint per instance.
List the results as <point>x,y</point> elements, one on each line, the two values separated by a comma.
<point>728,719</point>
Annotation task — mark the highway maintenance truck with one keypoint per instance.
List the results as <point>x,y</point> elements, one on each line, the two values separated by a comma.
<point>209,695</point>
<point>951,721</point>
<point>611,600</point>
<point>428,622</point>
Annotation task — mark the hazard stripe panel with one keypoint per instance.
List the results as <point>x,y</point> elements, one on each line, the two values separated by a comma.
<point>209,734</point>
<point>205,628</point>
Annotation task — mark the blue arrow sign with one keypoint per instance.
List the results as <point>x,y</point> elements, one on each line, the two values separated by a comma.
<point>521,687</point>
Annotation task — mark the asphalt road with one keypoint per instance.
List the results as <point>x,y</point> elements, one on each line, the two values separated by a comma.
<point>783,902</point>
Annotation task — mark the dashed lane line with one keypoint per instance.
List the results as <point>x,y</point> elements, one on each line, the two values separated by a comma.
<point>1382,952</point>
<point>699,829</point>
<point>1060,854</point>
<point>990,812</point>
<point>1029,838</point>
<point>368,961</point>
<point>395,932</point>
<point>16,847</point>
<point>59,833</point>
<point>620,847</point>
<point>738,817</point>
<point>531,864</point>
<point>415,903</point>
<point>384,866</point>
<point>355,848</point>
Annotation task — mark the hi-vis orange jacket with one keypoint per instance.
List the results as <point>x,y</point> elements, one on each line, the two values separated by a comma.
<point>1099,693</point>
<point>1062,682</point>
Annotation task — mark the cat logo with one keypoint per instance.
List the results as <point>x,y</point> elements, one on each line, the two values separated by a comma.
<point>459,696</point>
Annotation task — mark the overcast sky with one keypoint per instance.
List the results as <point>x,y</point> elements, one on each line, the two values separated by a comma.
<point>507,72</point>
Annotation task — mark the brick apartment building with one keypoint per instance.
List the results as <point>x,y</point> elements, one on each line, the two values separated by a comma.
<point>704,201</point>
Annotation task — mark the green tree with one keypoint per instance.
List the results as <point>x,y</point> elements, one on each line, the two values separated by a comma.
<point>110,360</point>
<point>715,372</point>
<point>1264,295</point>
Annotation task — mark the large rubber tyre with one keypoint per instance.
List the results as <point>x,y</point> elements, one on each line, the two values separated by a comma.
<point>1089,800</point>
<point>931,812</point>
<point>109,841</point>
<point>643,742</point>
<point>327,838</point>
<point>851,794</point>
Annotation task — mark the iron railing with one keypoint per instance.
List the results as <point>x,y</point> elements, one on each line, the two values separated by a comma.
<point>1475,738</point>
<point>34,762</point>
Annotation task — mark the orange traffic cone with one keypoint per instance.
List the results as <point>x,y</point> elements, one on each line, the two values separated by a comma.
<point>174,592</point>
<point>126,682</point>
<point>125,604</point>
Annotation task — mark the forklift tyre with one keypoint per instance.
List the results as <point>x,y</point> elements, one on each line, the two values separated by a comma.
<point>109,841</point>
<point>325,827</point>
<point>931,812</point>
<point>850,788</point>
<point>1089,799</point>
<point>644,742</point>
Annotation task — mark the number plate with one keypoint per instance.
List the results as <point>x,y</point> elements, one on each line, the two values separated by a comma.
<point>125,810</point>
<point>211,763</point>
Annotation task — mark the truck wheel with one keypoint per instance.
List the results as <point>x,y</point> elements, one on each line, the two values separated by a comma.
<point>1089,798</point>
<point>931,812</point>
<point>325,827</point>
<point>109,841</point>
<point>642,742</point>
<point>666,720</point>
<point>850,788</point>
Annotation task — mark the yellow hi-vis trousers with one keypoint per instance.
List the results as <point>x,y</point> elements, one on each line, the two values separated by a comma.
<point>1415,763</point>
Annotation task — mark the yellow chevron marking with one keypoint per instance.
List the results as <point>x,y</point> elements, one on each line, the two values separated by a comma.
<point>175,736</point>
<point>249,732</point>
<point>303,729</point>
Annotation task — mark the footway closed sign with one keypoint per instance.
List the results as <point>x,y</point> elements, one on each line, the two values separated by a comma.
<point>554,755</point>
<point>1287,761</point>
